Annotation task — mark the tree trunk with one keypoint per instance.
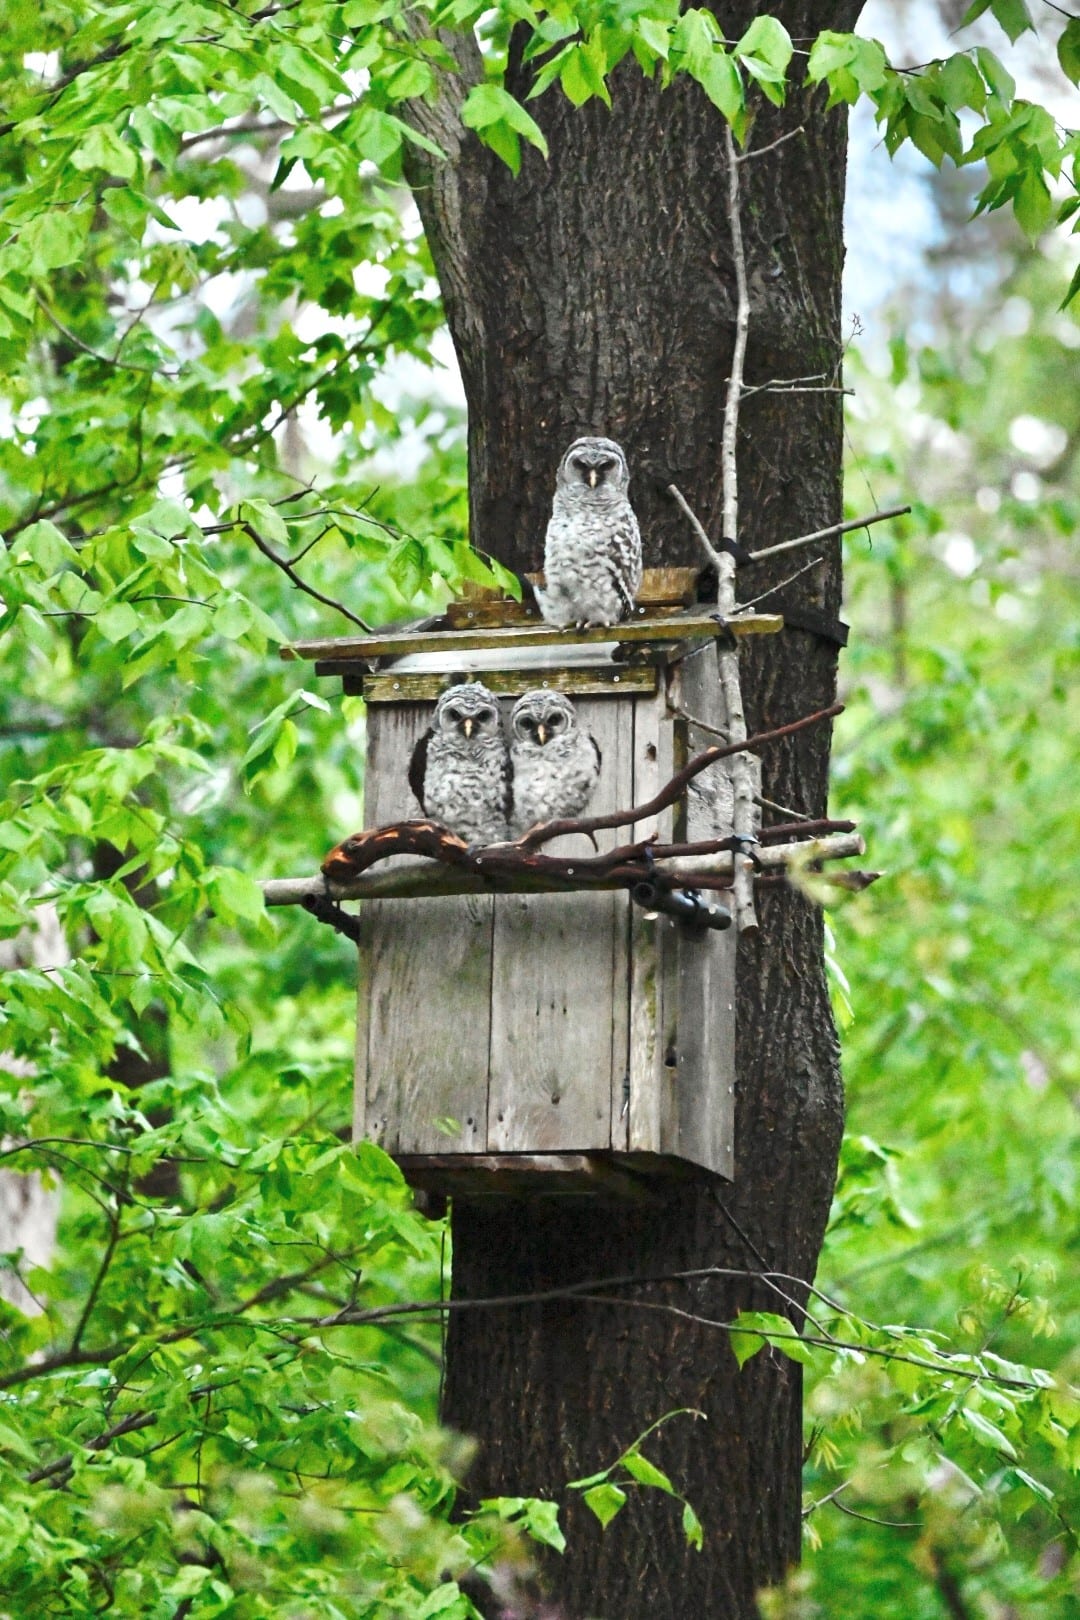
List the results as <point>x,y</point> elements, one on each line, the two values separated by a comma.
<point>595,294</point>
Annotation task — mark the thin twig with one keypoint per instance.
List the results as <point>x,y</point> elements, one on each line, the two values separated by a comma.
<point>290,572</point>
<point>833,528</point>
<point>782,382</point>
<point>886,1524</point>
<point>712,555</point>
<point>760,151</point>
<point>63,1465</point>
<point>95,354</point>
<point>785,809</point>
<point>95,1287</point>
<point>779,586</point>
<point>677,711</point>
<point>812,1507</point>
<point>800,388</point>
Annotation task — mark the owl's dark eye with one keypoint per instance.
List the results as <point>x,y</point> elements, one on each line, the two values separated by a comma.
<point>556,721</point>
<point>486,714</point>
<point>454,716</point>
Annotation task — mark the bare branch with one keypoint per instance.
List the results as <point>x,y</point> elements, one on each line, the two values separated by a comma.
<point>833,528</point>
<point>727,658</point>
<point>711,554</point>
<point>779,586</point>
<point>760,151</point>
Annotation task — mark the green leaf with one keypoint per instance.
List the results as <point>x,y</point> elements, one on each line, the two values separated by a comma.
<point>1068,50</point>
<point>13,1441</point>
<point>605,1501</point>
<point>579,77</point>
<point>656,34</point>
<point>489,104</point>
<point>775,1330</point>
<point>1035,1486</point>
<point>445,1601</point>
<point>1073,291</point>
<point>721,82</point>
<point>264,518</point>
<point>768,41</point>
<point>104,149</point>
<point>999,79</point>
<point>541,1520</point>
<point>117,622</point>
<point>987,1433</point>
<point>645,1472</point>
<point>962,84</point>
<point>233,894</point>
<point>1032,203</point>
<point>692,1528</point>
<point>695,38</point>
<point>744,1345</point>
<point>1013,16</point>
<point>44,545</point>
<point>54,239</point>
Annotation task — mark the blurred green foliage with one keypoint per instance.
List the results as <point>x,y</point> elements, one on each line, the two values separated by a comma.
<point>957,1202</point>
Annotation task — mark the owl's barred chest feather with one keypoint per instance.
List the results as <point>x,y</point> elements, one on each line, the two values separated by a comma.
<point>592,563</point>
<point>465,786</point>
<point>553,781</point>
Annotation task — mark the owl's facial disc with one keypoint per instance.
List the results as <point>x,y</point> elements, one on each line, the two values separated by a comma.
<point>482,719</point>
<point>593,467</point>
<point>540,727</point>
<point>467,708</point>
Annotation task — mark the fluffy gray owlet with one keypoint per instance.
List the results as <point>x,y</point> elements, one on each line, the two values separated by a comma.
<point>460,768</point>
<point>555,765</point>
<point>592,550</point>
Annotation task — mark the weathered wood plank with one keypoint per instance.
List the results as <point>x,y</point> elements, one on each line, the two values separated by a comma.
<point>698,624</point>
<point>399,688</point>
<point>653,766</point>
<point>425,971</point>
<point>555,999</point>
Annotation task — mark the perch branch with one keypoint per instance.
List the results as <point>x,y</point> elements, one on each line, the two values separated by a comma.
<point>550,875</point>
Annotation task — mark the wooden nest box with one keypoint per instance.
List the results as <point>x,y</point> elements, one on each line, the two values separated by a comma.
<point>509,1042</point>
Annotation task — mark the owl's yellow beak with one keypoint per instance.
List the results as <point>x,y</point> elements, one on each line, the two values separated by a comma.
<point>592,477</point>
<point>541,733</point>
<point>467,725</point>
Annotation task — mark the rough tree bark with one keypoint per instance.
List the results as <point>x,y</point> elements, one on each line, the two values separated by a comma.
<point>595,294</point>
